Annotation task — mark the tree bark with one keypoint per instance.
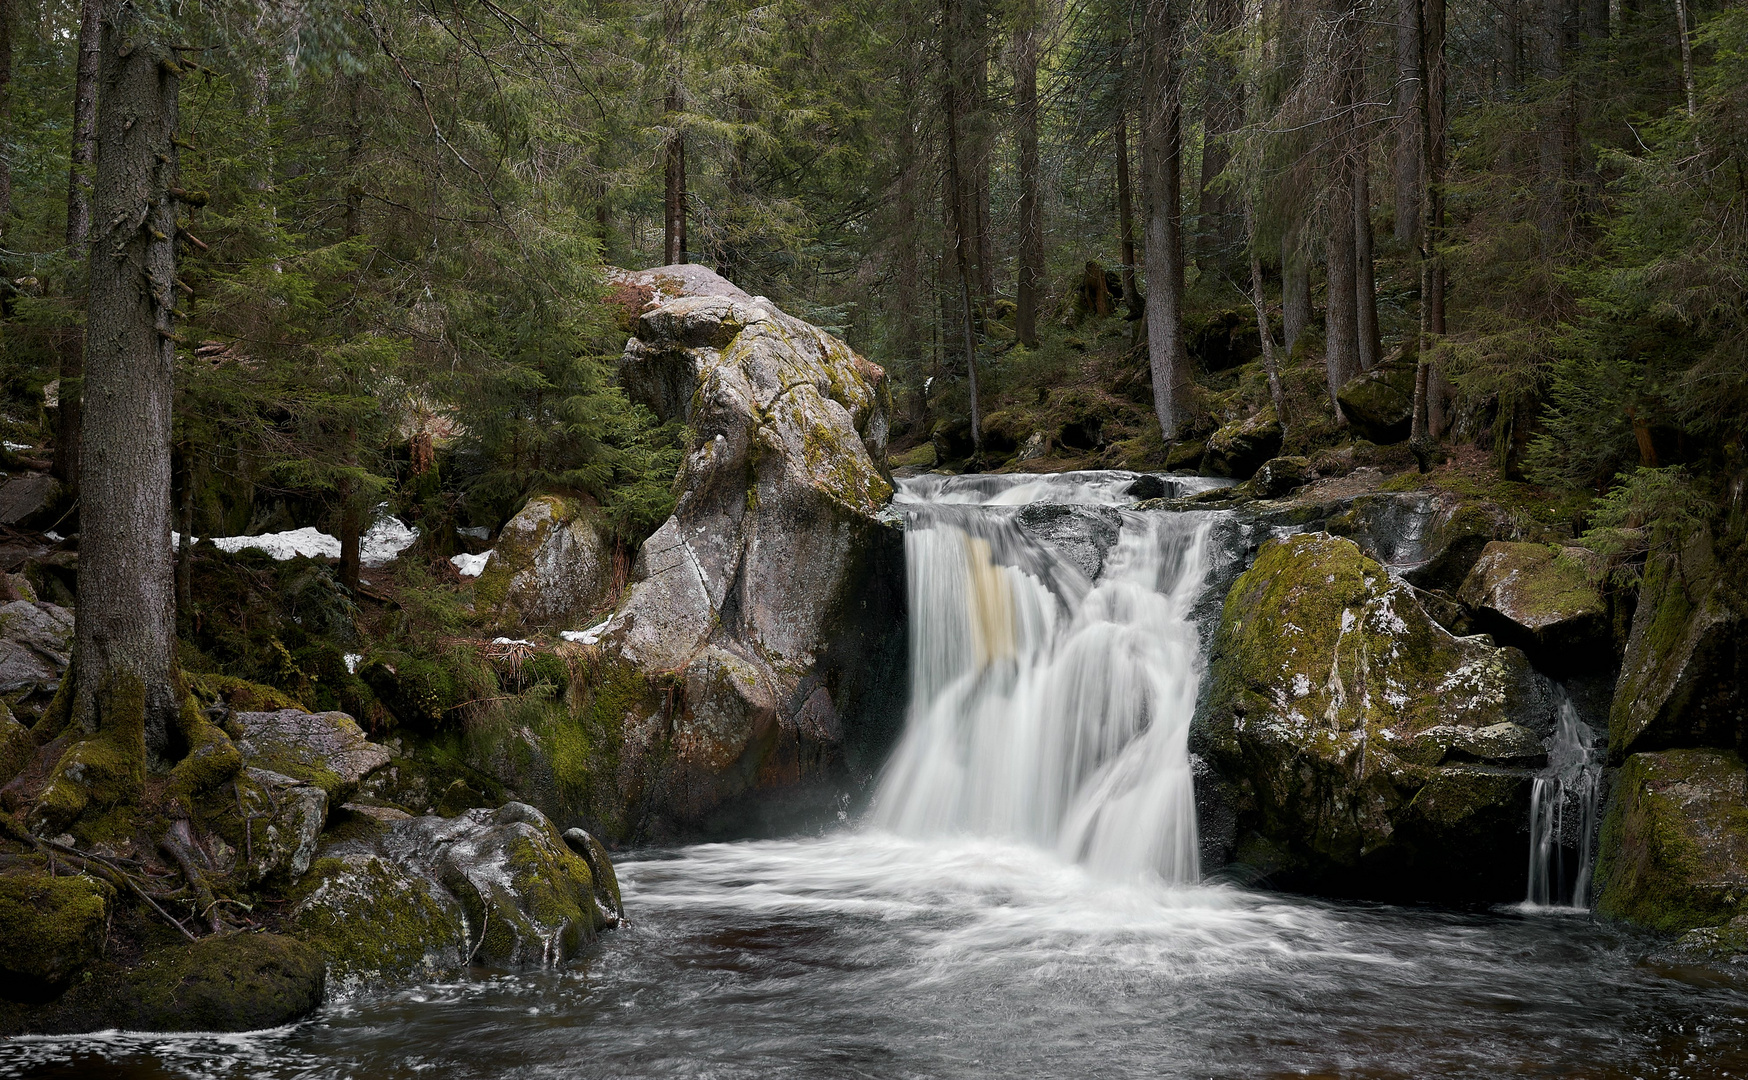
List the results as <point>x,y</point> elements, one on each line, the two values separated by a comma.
<point>1217,238</point>
<point>1271,363</point>
<point>1031,240</point>
<point>952,25</point>
<point>1430,31</point>
<point>1161,183</point>
<point>124,671</point>
<point>1408,124</point>
<point>1126,214</point>
<point>6,15</point>
<point>1295,284</point>
<point>1341,346</point>
<point>1365,285</point>
<point>84,156</point>
<point>351,513</point>
<point>674,193</point>
<point>1686,56</point>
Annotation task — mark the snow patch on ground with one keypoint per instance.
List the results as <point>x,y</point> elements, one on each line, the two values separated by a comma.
<point>381,545</point>
<point>470,565</point>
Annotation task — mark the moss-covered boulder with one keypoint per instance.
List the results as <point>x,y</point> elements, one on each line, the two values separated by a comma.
<point>1682,678</point>
<point>51,928</point>
<point>1674,846</point>
<point>527,898</point>
<point>1281,476</point>
<point>373,921</point>
<point>1240,448</point>
<point>1370,749</point>
<point>1380,403</point>
<point>1546,601</point>
<point>776,579</point>
<point>550,568</point>
<point>226,982</point>
<point>283,822</point>
<point>326,749</point>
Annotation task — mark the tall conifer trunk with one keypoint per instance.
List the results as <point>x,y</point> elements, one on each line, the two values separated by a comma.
<point>84,156</point>
<point>1216,227</point>
<point>1126,213</point>
<point>674,172</point>
<point>125,624</point>
<point>1161,183</point>
<point>1031,254</point>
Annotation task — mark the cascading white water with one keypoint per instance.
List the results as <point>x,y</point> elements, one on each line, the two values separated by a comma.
<point>1563,808</point>
<point>1045,706</point>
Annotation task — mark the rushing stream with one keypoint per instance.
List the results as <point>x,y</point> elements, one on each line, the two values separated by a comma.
<point>1022,898</point>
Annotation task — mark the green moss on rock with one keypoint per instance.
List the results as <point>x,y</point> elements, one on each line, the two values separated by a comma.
<point>1674,848</point>
<point>50,929</point>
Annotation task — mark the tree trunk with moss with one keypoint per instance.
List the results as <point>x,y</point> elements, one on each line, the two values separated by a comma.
<point>125,630</point>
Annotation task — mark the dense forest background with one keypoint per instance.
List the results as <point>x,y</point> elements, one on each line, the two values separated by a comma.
<point>1074,232</point>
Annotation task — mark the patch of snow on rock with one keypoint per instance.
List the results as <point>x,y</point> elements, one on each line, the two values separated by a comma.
<point>589,636</point>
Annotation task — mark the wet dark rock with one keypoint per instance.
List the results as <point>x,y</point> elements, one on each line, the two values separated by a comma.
<point>1083,535</point>
<point>27,496</point>
<point>1148,486</point>
<point>226,982</point>
<point>51,928</point>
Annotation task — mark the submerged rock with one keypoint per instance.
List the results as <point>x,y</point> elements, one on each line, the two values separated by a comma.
<point>765,616</point>
<point>1372,751</point>
<point>1674,850</point>
<point>1545,601</point>
<point>550,567</point>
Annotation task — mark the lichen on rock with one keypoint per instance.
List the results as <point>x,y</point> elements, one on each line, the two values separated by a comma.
<point>551,566</point>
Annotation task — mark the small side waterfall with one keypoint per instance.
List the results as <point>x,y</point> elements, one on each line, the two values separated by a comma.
<point>1563,808</point>
<point>1049,704</point>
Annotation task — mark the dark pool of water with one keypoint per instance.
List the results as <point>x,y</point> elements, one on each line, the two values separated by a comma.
<point>865,955</point>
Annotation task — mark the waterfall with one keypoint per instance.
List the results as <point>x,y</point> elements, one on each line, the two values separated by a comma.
<point>1563,808</point>
<point>1048,703</point>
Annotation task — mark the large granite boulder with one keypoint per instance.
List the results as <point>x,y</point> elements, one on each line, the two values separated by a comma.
<point>326,749</point>
<point>550,567</point>
<point>398,897</point>
<point>36,643</point>
<point>1546,601</point>
<point>1682,676</point>
<point>765,616</point>
<point>1367,749</point>
<point>1674,847</point>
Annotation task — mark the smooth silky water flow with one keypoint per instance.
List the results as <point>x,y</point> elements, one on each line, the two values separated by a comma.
<point>1563,813</point>
<point>1023,894</point>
